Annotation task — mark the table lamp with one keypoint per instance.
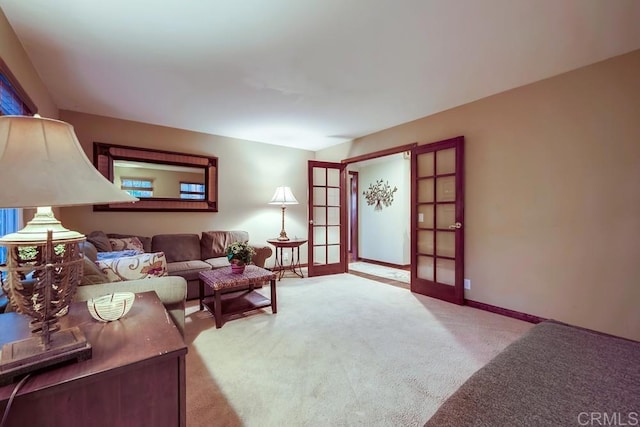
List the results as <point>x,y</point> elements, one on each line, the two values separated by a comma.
<point>41,165</point>
<point>283,196</point>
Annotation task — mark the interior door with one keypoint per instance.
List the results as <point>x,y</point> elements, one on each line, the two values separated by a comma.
<point>327,218</point>
<point>437,220</point>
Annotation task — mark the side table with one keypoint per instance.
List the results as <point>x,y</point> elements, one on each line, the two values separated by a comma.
<point>136,375</point>
<point>294,264</point>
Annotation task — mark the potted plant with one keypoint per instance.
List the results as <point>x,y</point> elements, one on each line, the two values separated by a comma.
<point>239,254</point>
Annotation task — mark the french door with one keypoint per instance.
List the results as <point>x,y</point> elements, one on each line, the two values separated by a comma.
<point>437,220</point>
<point>327,218</point>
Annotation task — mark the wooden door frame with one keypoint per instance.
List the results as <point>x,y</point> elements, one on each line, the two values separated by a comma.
<point>353,214</point>
<point>371,156</point>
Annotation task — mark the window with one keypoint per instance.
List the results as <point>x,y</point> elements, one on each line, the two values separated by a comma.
<point>191,190</point>
<point>137,187</point>
<point>13,101</point>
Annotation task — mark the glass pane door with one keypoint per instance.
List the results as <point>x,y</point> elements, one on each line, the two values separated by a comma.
<point>327,218</point>
<point>437,218</point>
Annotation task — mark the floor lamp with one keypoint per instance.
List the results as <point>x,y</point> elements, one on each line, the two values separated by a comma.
<point>283,196</point>
<point>42,164</point>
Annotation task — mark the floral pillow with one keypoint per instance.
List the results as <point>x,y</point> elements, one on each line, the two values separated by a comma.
<point>142,266</point>
<point>126,243</point>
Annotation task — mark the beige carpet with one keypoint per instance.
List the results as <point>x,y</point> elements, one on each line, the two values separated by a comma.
<point>342,351</point>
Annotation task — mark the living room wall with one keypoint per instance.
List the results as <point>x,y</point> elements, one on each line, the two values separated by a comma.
<point>248,175</point>
<point>15,57</point>
<point>552,209</point>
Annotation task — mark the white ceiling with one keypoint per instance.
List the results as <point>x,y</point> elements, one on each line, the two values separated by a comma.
<point>306,73</point>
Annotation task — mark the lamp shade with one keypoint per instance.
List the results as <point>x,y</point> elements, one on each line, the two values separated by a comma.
<point>283,196</point>
<point>43,164</point>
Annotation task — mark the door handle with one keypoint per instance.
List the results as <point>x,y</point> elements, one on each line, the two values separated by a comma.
<point>456,225</point>
<point>311,222</point>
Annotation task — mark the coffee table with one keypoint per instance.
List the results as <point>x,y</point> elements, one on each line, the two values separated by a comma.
<point>234,293</point>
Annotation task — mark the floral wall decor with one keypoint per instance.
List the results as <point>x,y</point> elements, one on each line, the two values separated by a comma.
<point>379,194</point>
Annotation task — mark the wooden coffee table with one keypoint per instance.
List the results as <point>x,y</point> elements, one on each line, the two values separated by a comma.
<point>234,293</point>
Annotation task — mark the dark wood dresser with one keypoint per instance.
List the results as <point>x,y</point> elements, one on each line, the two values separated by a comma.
<point>136,376</point>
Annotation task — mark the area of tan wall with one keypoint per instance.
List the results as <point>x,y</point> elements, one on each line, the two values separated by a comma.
<point>249,173</point>
<point>13,54</point>
<point>552,207</point>
<point>15,57</point>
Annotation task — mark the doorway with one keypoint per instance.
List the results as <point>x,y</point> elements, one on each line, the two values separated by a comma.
<point>378,211</point>
<point>436,216</point>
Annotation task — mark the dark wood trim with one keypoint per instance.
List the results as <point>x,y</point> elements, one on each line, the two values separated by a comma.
<point>504,311</point>
<point>4,69</point>
<point>386,264</point>
<point>353,214</point>
<point>381,153</point>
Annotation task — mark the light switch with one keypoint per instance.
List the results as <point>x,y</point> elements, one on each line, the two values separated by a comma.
<point>420,217</point>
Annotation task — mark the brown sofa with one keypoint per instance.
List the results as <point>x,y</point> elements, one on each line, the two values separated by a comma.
<point>188,254</point>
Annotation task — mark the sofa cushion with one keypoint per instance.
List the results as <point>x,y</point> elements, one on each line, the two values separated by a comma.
<point>146,241</point>
<point>126,243</point>
<point>177,247</point>
<point>187,269</point>
<point>218,262</point>
<point>100,240</point>
<point>213,244</point>
<point>143,266</point>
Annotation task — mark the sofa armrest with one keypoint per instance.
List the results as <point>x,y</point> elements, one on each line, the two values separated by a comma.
<point>262,253</point>
<point>172,291</point>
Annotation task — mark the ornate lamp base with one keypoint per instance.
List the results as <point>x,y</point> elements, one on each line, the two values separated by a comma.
<point>24,356</point>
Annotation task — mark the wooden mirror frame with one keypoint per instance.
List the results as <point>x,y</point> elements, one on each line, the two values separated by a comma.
<point>105,154</point>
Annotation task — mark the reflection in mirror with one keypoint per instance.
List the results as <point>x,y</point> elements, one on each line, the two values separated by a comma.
<point>142,179</point>
<point>162,180</point>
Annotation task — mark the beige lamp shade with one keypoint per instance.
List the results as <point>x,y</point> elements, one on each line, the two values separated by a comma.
<point>283,196</point>
<point>43,164</point>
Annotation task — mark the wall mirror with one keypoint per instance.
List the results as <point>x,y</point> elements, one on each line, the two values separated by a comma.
<point>162,180</point>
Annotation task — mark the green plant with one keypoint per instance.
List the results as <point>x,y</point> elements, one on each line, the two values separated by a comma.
<point>240,253</point>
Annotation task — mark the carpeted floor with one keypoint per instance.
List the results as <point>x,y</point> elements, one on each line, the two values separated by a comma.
<point>341,351</point>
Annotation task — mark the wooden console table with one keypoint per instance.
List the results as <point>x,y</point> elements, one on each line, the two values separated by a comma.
<point>294,264</point>
<point>136,375</point>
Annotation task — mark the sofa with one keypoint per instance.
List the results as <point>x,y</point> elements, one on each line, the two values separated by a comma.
<point>186,255</point>
<point>554,375</point>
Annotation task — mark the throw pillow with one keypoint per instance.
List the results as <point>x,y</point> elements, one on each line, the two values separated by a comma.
<point>126,243</point>
<point>100,240</point>
<point>143,266</point>
<point>117,254</point>
<point>91,274</point>
<point>146,241</point>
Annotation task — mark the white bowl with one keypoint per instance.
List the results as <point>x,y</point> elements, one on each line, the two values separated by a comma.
<point>111,307</point>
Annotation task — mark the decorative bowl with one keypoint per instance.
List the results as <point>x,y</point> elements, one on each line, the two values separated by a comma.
<point>111,307</point>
